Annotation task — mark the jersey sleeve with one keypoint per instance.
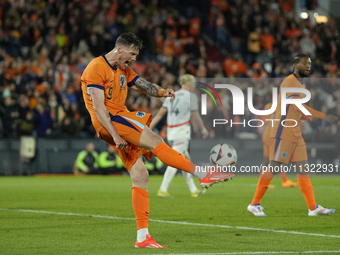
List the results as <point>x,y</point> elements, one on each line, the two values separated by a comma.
<point>304,117</point>
<point>290,83</point>
<point>131,76</point>
<point>315,113</point>
<point>95,76</point>
<point>166,103</point>
<point>267,107</point>
<point>193,102</point>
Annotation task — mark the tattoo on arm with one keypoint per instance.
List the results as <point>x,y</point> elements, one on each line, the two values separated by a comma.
<point>139,88</point>
<point>151,88</point>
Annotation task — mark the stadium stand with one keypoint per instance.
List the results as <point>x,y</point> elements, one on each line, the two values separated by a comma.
<point>45,46</point>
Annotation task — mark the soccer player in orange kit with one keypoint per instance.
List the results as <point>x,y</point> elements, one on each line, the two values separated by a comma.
<point>287,144</point>
<point>105,83</point>
<point>266,146</point>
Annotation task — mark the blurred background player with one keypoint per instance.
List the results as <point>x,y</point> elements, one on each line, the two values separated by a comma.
<point>109,162</point>
<point>155,166</point>
<point>287,144</point>
<point>105,82</point>
<point>86,162</point>
<point>179,112</point>
<point>266,146</point>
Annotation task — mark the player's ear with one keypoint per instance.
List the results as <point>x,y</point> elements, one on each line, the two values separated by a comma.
<point>120,49</point>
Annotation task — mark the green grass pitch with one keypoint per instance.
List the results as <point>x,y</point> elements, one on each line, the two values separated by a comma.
<point>219,221</point>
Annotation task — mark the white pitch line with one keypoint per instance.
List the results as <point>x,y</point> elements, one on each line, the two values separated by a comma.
<point>171,222</point>
<point>256,252</point>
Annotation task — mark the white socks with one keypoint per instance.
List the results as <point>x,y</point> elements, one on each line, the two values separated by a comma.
<point>141,234</point>
<point>169,174</point>
<point>200,173</point>
<point>190,182</point>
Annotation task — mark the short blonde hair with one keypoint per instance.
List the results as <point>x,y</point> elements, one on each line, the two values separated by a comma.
<point>185,78</point>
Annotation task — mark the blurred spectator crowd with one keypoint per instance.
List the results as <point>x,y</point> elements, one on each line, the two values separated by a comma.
<point>45,46</point>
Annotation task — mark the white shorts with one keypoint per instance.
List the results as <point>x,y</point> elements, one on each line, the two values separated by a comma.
<point>180,145</point>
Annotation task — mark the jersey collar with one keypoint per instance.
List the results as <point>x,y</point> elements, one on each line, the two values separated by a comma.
<point>297,78</point>
<point>114,68</point>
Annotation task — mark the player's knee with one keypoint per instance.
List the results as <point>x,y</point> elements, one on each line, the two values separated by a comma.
<point>154,141</point>
<point>158,140</point>
<point>149,140</point>
<point>141,180</point>
<point>140,176</point>
<point>300,169</point>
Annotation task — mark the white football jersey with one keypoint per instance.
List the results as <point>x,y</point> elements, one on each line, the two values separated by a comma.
<point>179,112</point>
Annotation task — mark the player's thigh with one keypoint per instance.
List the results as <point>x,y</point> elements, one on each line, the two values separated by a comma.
<point>138,173</point>
<point>128,156</point>
<point>301,167</point>
<point>300,153</point>
<point>266,148</point>
<point>149,140</point>
<point>273,167</point>
<point>281,150</point>
<point>265,161</point>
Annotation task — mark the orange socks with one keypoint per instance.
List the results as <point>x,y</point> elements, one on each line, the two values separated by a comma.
<point>283,176</point>
<point>307,190</point>
<point>262,187</point>
<point>173,158</point>
<point>140,203</point>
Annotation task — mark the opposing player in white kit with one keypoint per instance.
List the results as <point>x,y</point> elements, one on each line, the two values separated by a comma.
<point>178,130</point>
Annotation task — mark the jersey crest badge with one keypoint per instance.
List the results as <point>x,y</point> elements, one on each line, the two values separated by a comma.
<point>140,114</point>
<point>122,80</point>
<point>284,155</point>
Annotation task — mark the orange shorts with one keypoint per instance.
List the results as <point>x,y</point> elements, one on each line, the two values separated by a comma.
<point>285,151</point>
<point>130,126</point>
<point>266,147</point>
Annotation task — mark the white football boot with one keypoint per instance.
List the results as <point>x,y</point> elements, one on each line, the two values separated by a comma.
<point>320,211</point>
<point>256,210</point>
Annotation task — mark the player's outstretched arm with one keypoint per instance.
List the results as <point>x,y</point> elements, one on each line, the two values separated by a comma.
<point>158,117</point>
<point>317,114</point>
<point>330,118</point>
<point>196,118</point>
<point>98,98</point>
<point>309,118</point>
<point>153,89</point>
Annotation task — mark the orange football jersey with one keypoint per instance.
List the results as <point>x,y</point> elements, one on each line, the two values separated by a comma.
<point>290,133</point>
<point>266,133</point>
<point>115,81</point>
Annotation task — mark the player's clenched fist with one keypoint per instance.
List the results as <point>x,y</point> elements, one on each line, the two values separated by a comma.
<point>169,93</point>
<point>121,144</point>
<point>330,118</point>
